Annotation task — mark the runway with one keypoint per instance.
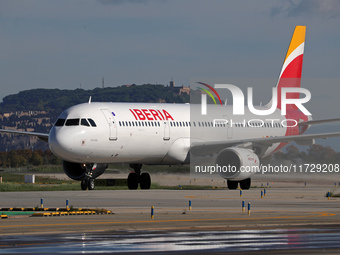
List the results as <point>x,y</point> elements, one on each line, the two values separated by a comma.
<point>288,212</point>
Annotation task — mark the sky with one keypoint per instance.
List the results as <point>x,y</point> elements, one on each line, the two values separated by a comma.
<point>68,44</point>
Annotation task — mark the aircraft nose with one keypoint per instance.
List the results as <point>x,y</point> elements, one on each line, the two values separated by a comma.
<point>60,143</point>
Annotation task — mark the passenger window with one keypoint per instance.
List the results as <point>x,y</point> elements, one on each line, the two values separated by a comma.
<point>60,123</point>
<point>72,122</point>
<point>84,122</point>
<point>93,124</point>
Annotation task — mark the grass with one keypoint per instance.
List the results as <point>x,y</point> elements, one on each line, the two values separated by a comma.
<point>36,169</point>
<point>15,182</point>
<point>20,178</point>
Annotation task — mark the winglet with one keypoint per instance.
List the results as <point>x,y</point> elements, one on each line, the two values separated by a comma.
<point>90,100</point>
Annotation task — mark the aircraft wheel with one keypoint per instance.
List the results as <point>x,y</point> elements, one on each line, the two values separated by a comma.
<point>245,184</point>
<point>133,181</point>
<point>232,184</point>
<point>145,181</point>
<point>90,184</point>
<point>83,185</point>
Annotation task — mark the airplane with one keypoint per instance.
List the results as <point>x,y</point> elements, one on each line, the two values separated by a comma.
<point>89,136</point>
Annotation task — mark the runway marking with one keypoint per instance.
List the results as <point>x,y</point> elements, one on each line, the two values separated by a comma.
<point>315,214</point>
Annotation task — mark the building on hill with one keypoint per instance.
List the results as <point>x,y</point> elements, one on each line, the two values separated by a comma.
<point>181,89</point>
<point>184,90</point>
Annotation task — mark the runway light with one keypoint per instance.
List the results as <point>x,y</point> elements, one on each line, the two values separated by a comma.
<point>152,212</point>
<point>240,192</point>
<point>41,203</point>
<point>243,206</point>
<point>305,184</point>
<point>189,205</point>
<point>264,192</point>
<point>329,195</point>
<point>248,208</point>
<point>261,193</point>
<point>67,205</point>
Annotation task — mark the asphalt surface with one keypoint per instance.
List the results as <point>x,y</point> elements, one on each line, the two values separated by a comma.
<point>290,216</point>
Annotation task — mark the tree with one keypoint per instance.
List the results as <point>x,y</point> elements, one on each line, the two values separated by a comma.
<point>36,159</point>
<point>13,159</point>
<point>320,154</point>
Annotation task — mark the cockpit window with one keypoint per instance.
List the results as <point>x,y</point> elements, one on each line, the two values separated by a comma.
<point>72,122</point>
<point>60,123</point>
<point>84,122</point>
<point>93,124</point>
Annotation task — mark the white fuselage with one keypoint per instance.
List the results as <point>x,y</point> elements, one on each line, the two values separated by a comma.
<point>151,133</point>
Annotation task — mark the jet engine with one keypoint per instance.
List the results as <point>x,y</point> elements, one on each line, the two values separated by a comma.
<point>79,172</point>
<point>237,163</point>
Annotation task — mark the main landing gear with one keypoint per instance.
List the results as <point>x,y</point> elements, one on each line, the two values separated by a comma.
<point>136,178</point>
<point>244,184</point>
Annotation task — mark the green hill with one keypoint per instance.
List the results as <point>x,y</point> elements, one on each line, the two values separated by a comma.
<point>56,100</point>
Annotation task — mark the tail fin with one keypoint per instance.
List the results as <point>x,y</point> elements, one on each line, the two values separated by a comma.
<point>290,75</point>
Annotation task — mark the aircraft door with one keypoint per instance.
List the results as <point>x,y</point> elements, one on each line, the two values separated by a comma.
<point>166,130</point>
<point>111,122</point>
<point>229,127</point>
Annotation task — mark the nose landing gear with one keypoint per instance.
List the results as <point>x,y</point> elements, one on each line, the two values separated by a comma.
<point>87,184</point>
<point>88,181</point>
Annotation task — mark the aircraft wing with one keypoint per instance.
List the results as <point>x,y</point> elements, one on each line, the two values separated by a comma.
<point>211,147</point>
<point>312,122</point>
<point>41,136</point>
